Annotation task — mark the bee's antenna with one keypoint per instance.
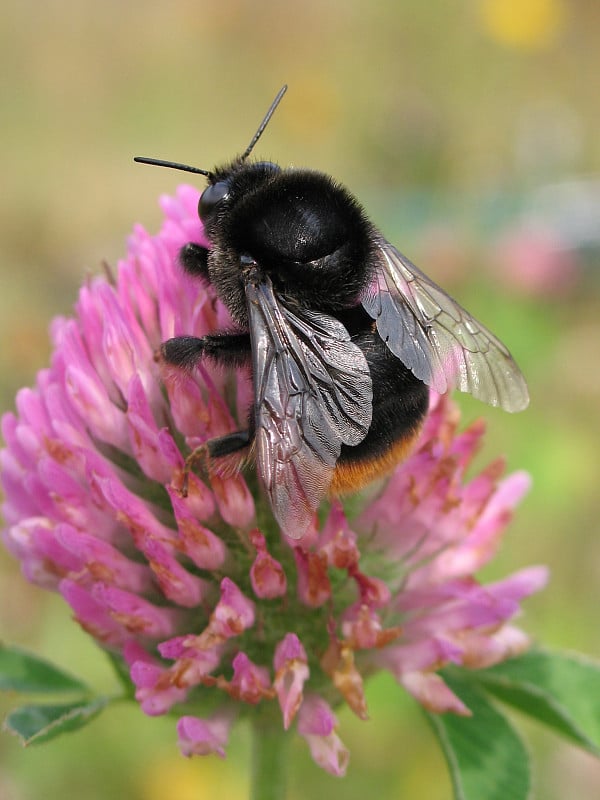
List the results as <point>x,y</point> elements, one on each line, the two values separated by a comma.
<point>157,162</point>
<point>264,123</point>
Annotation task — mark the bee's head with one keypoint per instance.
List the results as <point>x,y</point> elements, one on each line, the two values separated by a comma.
<point>227,184</point>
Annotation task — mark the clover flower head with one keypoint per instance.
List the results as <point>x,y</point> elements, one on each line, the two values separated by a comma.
<point>199,593</point>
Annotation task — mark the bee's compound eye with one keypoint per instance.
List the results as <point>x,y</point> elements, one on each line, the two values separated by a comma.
<point>211,197</point>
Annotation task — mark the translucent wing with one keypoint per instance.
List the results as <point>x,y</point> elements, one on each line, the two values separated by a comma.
<point>436,338</point>
<point>312,390</point>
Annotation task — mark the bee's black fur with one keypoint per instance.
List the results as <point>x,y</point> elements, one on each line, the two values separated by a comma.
<point>400,400</point>
<point>300,227</point>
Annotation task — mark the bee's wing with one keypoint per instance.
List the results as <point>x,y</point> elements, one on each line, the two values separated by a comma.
<point>313,393</point>
<point>436,338</point>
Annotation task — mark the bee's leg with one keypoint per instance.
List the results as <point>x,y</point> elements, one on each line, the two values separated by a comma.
<point>227,349</point>
<point>230,443</point>
<point>194,259</point>
<point>226,445</point>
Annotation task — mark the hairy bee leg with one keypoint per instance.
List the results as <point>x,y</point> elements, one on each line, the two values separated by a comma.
<point>228,349</point>
<point>194,259</point>
<point>182,351</point>
<point>230,443</point>
<point>214,448</point>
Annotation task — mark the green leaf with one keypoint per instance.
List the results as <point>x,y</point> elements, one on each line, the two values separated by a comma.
<point>486,757</point>
<point>559,690</point>
<point>38,723</point>
<point>21,671</point>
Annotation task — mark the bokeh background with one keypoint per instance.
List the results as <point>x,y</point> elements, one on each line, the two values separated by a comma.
<point>470,132</point>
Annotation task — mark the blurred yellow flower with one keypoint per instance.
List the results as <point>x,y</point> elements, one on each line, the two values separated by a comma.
<point>523,23</point>
<point>173,776</point>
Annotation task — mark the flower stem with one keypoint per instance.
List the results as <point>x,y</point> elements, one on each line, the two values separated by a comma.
<point>269,768</point>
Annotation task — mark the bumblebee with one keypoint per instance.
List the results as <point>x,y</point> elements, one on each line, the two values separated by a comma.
<point>343,334</point>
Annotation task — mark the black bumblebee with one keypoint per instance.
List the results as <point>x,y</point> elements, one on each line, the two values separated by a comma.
<point>343,333</point>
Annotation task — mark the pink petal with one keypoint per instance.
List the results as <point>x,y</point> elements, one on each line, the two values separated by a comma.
<point>362,628</point>
<point>520,584</point>
<point>176,583</point>
<point>155,693</point>
<point>199,503</point>
<point>201,737</point>
<point>373,591</point>
<point>337,541</point>
<point>432,693</point>
<point>111,494</point>
<point>103,562</point>
<point>481,650</point>
<point>203,547</point>
<point>316,723</point>
<point>314,587</point>
<point>192,662</point>
<point>266,573</point>
<point>135,614</point>
<point>234,500</point>
<point>36,542</point>
<point>91,401</point>
<point>233,613</point>
<point>186,403</point>
<point>250,682</point>
<point>144,435</point>
<point>424,654</point>
<point>291,673</point>
<point>92,615</point>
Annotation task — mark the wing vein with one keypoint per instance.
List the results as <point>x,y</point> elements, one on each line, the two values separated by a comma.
<point>436,338</point>
<point>313,393</point>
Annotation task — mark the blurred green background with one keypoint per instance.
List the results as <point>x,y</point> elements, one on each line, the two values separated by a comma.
<point>469,130</point>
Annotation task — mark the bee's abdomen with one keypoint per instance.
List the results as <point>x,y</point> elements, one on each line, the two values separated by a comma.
<point>400,403</point>
<point>352,474</point>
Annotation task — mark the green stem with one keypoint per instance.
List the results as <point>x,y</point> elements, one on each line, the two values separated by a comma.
<point>269,767</point>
